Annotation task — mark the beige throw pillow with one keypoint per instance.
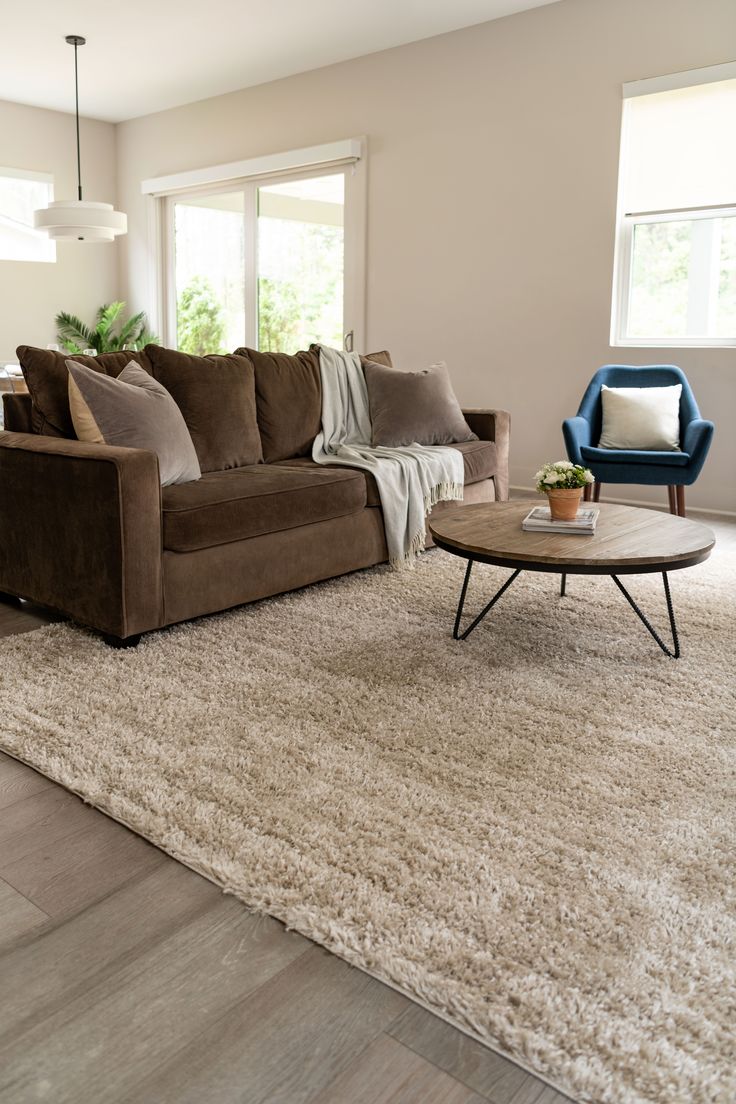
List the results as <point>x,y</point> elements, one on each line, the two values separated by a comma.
<point>646,418</point>
<point>414,407</point>
<point>132,411</point>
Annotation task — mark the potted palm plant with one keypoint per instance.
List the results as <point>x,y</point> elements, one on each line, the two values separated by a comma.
<point>109,334</point>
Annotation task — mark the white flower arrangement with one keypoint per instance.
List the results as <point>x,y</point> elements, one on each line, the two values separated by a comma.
<point>562,475</point>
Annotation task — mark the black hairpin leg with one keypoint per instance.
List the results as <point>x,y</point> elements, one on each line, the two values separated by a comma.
<point>563,584</point>
<point>673,627</point>
<point>457,635</point>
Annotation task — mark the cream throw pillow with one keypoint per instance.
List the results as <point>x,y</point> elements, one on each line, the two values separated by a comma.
<point>133,411</point>
<point>646,418</point>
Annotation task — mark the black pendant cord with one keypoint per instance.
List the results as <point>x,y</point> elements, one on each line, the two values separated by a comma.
<point>76,41</point>
<point>76,107</point>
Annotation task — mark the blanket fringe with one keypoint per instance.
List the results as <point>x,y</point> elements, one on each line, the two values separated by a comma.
<point>441,492</point>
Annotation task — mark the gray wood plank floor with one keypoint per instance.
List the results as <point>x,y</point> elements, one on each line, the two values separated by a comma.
<point>126,978</point>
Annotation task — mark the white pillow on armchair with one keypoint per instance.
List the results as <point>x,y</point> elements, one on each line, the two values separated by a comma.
<point>646,418</point>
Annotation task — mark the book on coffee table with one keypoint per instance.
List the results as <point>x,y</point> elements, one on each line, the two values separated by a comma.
<point>539,520</point>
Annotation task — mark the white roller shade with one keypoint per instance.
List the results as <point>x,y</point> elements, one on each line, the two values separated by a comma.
<point>679,148</point>
<point>344,152</point>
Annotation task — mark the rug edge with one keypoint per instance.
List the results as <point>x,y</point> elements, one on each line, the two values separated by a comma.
<point>214,880</point>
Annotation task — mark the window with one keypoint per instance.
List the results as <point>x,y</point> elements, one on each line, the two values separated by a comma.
<point>21,193</point>
<point>675,281</point>
<point>300,263</point>
<point>208,307</point>
<point>272,259</point>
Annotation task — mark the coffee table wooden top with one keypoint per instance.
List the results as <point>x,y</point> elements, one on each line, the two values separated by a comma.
<point>627,539</point>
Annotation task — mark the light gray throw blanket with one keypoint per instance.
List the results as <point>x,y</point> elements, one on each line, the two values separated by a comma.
<point>410,480</point>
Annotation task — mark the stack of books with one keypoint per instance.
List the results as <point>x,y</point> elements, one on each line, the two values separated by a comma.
<point>539,520</point>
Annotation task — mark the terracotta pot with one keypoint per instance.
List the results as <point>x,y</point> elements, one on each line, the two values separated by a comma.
<point>564,502</point>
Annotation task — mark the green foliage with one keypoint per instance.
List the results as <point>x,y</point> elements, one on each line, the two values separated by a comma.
<point>278,315</point>
<point>659,278</point>
<point>109,333</point>
<point>300,286</point>
<point>200,321</point>
<point>727,280</point>
<point>562,475</point>
<point>664,279</point>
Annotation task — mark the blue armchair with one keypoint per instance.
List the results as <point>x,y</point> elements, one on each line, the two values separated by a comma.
<point>675,470</point>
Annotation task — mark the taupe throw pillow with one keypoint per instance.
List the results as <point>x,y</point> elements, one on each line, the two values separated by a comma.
<point>414,407</point>
<point>132,411</point>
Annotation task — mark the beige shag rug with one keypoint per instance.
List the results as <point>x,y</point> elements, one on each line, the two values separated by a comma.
<point>532,832</point>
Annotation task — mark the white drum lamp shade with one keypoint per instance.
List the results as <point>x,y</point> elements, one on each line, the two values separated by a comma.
<point>80,219</point>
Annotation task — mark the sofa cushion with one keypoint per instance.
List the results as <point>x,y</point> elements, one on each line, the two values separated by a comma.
<point>250,501</point>
<point>216,395</point>
<point>479,458</point>
<point>634,456</point>
<point>289,400</point>
<point>47,377</point>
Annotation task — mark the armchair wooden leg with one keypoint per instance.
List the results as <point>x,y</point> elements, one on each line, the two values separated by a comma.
<point>673,499</point>
<point>680,493</point>
<point>587,491</point>
<point>596,491</point>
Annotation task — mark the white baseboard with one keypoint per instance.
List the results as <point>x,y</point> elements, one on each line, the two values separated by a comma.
<point>645,503</point>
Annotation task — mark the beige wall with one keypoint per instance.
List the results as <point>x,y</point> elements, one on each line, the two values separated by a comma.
<point>84,275</point>
<point>492,195</point>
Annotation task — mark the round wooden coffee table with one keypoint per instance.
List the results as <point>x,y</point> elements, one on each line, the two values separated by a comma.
<point>627,541</point>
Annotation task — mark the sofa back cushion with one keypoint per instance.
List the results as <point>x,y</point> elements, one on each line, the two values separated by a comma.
<point>17,412</point>
<point>47,378</point>
<point>289,400</point>
<point>216,395</point>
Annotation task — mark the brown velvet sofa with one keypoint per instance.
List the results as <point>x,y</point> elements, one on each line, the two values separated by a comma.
<point>88,530</point>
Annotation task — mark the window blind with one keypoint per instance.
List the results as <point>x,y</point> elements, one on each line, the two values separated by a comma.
<point>679,149</point>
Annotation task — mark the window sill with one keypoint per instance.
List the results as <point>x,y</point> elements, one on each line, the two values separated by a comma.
<point>674,343</point>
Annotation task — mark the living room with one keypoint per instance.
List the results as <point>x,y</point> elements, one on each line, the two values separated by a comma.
<point>489,860</point>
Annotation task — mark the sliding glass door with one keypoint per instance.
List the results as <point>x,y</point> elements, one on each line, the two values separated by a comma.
<point>261,263</point>
<point>209,272</point>
<point>300,259</point>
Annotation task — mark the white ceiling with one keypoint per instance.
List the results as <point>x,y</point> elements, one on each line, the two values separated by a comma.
<point>148,55</point>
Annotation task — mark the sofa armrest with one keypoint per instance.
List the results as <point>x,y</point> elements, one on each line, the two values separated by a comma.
<point>17,407</point>
<point>81,530</point>
<point>494,425</point>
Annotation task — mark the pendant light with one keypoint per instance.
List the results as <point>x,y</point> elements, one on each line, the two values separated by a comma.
<point>80,219</point>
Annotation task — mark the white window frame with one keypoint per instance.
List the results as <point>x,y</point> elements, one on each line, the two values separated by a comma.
<point>626,221</point>
<point>347,156</point>
<point>702,264</point>
<point>42,178</point>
